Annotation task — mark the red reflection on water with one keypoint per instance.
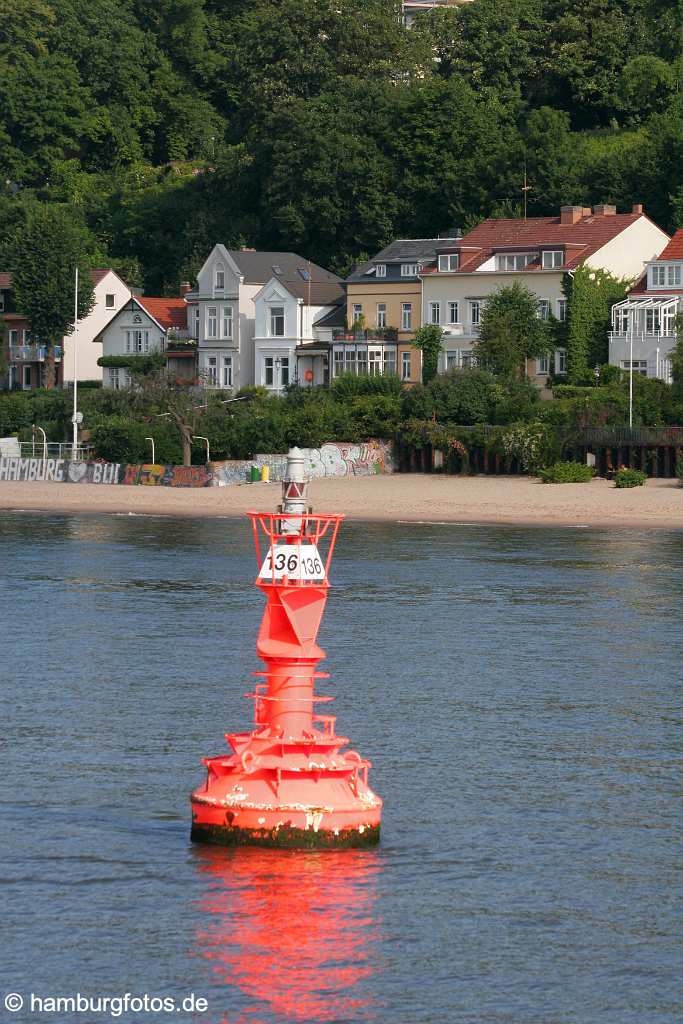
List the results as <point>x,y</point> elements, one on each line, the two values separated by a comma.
<point>292,930</point>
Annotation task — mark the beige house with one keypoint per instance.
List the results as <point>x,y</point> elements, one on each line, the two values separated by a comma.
<point>384,309</point>
<point>536,252</point>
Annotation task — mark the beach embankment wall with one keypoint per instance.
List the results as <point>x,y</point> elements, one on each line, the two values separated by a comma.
<point>367,459</point>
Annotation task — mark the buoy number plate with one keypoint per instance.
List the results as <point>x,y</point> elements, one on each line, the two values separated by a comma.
<point>296,561</point>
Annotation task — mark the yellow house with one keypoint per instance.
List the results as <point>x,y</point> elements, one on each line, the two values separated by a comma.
<point>383,312</point>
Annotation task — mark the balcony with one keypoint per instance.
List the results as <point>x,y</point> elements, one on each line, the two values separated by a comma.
<point>33,353</point>
<point>373,335</point>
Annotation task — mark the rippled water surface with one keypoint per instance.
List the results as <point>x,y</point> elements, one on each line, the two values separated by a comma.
<point>518,691</point>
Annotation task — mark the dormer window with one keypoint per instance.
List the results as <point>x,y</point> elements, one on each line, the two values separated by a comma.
<point>448,261</point>
<point>381,270</point>
<point>666,275</point>
<point>410,269</point>
<point>552,259</point>
<point>514,260</point>
<point>220,277</point>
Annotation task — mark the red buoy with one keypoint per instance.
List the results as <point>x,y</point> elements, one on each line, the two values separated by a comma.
<point>289,782</point>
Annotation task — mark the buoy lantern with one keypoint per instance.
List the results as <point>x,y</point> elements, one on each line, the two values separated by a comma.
<point>289,782</point>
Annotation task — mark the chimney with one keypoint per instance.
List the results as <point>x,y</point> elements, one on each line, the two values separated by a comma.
<point>185,287</point>
<point>604,210</point>
<point>571,214</point>
<point>637,208</point>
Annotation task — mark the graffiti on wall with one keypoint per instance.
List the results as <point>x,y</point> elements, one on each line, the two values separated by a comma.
<point>151,475</point>
<point>329,460</point>
<point>366,459</point>
<point>60,471</point>
<point>334,459</point>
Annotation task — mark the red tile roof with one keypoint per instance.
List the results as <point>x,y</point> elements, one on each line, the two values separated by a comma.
<point>98,274</point>
<point>582,239</point>
<point>167,312</point>
<point>674,250</point>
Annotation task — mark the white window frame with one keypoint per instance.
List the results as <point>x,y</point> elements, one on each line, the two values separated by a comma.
<point>543,365</point>
<point>552,259</point>
<point>435,312</point>
<point>211,371</point>
<point>406,316</point>
<point>513,261</point>
<point>673,275</point>
<point>276,314</point>
<point>107,303</point>
<point>544,309</point>
<point>219,278</point>
<point>375,361</point>
<point>453,312</point>
<point>475,312</point>
<point>560,360</point>
<point>406,365</point>
<point>452,359</point>
<point>356,312</point>
<point>212,321</point>
<point>410,269</point>
<point>226,371</point>
<point>639,366</point>
<point>380,270</point>
<point>562,310</point>
<point>13,337</point>
<point>226,322</point>
<point>381,314</point>
<point>448,262</point>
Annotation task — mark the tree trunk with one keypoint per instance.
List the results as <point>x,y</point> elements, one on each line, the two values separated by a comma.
<point>187,446</point>
<point>50,368</point>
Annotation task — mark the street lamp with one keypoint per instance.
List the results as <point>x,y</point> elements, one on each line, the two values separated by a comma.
<point>151,441</point>
<point>34,428</point>
<point>199,437</point>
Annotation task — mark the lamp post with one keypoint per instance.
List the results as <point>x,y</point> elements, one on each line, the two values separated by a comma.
<point>199,437</point>
<point>34,428</point>
<point>630,380</point>
<point>151,441</point>
<point>74,419</point>
<point>278,381</point>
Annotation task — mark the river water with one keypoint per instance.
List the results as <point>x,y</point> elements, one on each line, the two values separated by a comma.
<point>519,694</point>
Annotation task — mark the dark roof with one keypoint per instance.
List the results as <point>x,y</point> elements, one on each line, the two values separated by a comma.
<point>403,250</point>
<point>257,267</point>
<point>335,318</point>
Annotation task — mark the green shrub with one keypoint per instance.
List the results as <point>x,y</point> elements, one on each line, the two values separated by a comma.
<point>567,473</point>
<point>351,385</point>
<point>629,478</point>
<point>535,445</point>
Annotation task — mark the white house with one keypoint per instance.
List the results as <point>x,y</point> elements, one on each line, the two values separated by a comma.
<point>111,293</point>
<point>536,252</point>
<point>144,325</point>
<point>292,321</point>
<point>26,360</point>
<point>224,315</point>
<point>644,324</point>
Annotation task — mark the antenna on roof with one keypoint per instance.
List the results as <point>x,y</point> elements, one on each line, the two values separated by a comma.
<point>525,190</point>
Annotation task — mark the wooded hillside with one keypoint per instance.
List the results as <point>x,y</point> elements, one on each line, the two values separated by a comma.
<point>325,127</point>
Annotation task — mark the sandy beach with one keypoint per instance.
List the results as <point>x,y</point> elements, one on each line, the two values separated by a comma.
<point>402,497</point>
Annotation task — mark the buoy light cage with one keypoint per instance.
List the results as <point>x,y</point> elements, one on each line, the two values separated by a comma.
<point>289,783</point>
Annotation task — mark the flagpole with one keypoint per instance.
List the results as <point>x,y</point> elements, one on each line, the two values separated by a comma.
<point>74,420</point>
